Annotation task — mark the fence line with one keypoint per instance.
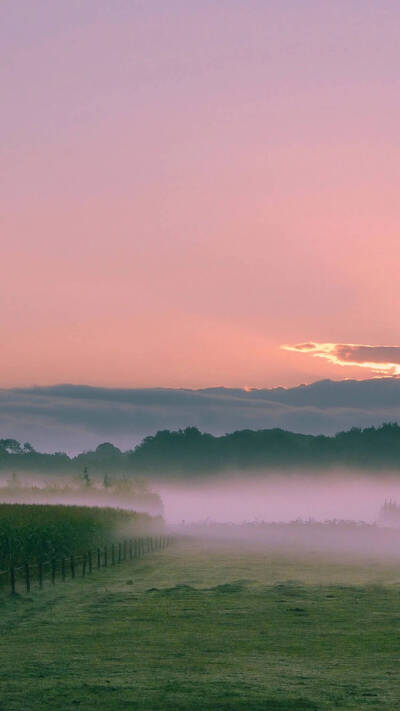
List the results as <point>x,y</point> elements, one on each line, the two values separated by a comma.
<point>127,549</point>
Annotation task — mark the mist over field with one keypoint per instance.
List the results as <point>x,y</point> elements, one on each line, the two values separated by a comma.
<point>84,490</point>
<point>269,486</point>
<point>280,497</point>
<point>234,497</point>
<point>339,514</point>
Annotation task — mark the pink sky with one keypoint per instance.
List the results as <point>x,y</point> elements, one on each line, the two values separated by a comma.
<point>188,186</point>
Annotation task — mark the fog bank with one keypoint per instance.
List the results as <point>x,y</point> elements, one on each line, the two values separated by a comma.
<point>278,497</point>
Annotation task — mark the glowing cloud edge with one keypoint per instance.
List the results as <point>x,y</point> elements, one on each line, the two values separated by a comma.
<point>331,352</point>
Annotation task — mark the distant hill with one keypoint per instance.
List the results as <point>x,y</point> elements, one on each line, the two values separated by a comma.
<point>189,452</point>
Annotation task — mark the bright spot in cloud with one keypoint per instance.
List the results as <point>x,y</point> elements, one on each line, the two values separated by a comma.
<point>382,360</point>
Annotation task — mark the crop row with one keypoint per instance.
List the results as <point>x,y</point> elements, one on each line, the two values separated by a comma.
<point>34,531</point>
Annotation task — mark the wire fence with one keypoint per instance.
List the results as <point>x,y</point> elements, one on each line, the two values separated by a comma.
<point>24,577</point>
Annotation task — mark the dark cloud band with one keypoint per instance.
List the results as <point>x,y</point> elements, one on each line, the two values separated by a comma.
<point>72,418</point>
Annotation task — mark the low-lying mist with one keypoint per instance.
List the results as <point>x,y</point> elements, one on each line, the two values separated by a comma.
<point>131,493</point>
<point>280,497</point>
<point>338,513</point>
<point>235,498</point>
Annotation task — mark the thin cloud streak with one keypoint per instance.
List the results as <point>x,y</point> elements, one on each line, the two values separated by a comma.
<point>381,360</point>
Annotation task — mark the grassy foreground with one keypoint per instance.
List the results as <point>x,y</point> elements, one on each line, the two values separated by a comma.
<point>203,627</point>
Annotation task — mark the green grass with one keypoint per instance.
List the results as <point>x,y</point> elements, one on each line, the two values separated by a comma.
<point>202,627</point>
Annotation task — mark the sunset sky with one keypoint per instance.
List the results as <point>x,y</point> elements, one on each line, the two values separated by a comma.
<point>199,193</point>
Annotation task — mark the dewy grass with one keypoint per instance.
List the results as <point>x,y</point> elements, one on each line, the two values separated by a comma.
<point>208,626</point>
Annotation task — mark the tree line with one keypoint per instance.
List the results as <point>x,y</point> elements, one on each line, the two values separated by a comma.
<point>188,452</point>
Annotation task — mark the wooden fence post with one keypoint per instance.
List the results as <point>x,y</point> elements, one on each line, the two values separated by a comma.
<point>40,572</point>
<point>119,552</point>
<point>90,561</point>
<point>113,554</point>
<point>130,549</point>
<point>84,560</point>
<point>12,580</point>
<point>98,558</point>
<point>63,569</point>
<point>72,561</point>
<point>105,557</point>
<point>27,578</point>
<point>53,571</point>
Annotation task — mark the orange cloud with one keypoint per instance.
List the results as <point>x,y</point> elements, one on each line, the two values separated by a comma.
<point>382,360</point>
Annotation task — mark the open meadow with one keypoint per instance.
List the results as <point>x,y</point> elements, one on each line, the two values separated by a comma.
<point>208,625</point>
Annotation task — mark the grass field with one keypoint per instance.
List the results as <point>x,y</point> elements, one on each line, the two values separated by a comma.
<point>203,627</point>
